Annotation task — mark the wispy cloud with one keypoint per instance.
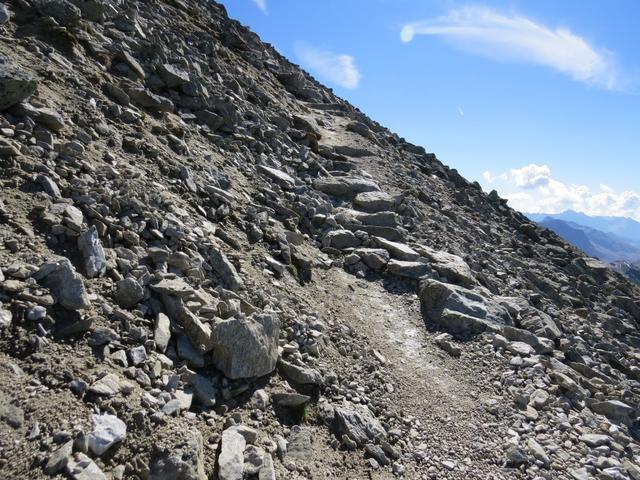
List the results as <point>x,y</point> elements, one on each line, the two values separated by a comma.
<point>336,68</point>
<point>262,5</point>
<point>533,189</point>
<point>460,111</point>
<point>510,37</point>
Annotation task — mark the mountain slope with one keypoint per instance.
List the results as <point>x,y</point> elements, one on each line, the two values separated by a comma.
<point>605,246</point>
<point>212,267</point>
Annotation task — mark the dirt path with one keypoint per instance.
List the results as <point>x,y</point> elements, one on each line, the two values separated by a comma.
<point>444,397</point>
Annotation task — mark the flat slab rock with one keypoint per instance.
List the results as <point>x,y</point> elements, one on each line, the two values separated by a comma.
<point>345,186</point>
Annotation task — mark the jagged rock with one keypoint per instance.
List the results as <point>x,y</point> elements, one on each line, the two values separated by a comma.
<point>5,317</point>
<point>300,375</point>
<point>245,348</point>
<point>15,84</point>
<point>128,292</point>
<point>231,459</point>
<point>65,284</point>
<point>89,244</point>
<point>460,309</point>
<point>358,423</point>
<point>107,431</point>
<point>225,269</point>
<point>179,455</point>
<point>172,76</point>
<point>279,177</point>
<point>81,467</point>
<point>62,11</point>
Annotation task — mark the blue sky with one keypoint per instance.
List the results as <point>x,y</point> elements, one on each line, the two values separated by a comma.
<point>539,99</point>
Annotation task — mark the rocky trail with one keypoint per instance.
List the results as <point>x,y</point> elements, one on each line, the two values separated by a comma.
<point>211,267</point>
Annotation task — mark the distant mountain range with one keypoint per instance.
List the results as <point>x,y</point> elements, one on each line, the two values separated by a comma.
<point>622,227</point>
<point>611,239</point>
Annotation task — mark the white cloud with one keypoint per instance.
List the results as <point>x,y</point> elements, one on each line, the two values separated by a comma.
<point>460,111</point>
<point>336,68</point>
<point>531,176</point>
<point>533,189</point>
<point>510,37</point>
<point>262,5</point>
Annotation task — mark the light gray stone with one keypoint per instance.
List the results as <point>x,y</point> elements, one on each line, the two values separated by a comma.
<point>107,431</point>
<point>245,348</point>
<point>95,262</point>
<point>231,459</point>
<point>162,332</point>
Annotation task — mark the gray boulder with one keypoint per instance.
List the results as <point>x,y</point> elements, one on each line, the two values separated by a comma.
<point>374,202</point>
<point>345,186</point>
<point>246,347</point>
<point>65,284</point>
<point>15,84</point>
<point>459,309</point>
